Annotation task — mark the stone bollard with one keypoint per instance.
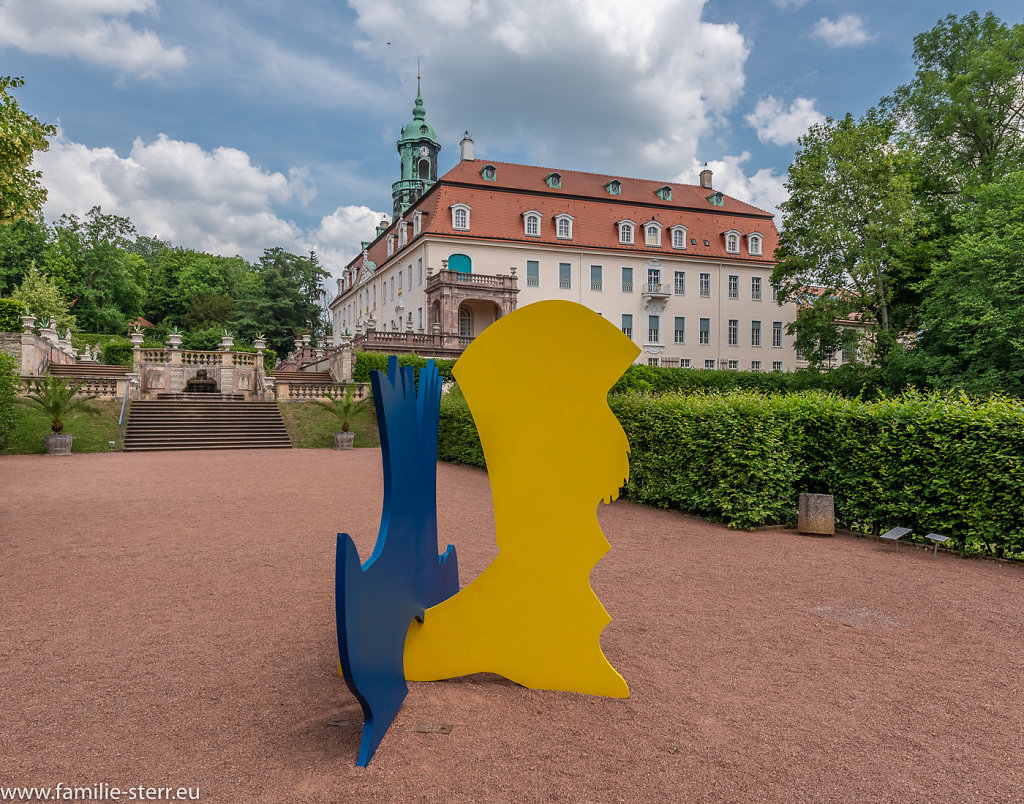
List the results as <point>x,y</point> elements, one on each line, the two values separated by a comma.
<point>816,515</point>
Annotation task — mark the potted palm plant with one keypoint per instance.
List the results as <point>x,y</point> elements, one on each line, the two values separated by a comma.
<point>56,396</point>
<point>344,409</point>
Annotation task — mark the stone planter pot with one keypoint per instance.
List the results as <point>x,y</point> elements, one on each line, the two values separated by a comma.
<point>259,344</point>
<point>28,323</point>
<point>58,444</point>
<point>174,341</point>
<point>137,338</point>
<point>344,440</point>
<point>226,343</point>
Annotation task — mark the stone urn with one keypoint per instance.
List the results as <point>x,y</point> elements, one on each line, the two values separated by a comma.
<point>344,440</point>
<point>137,338</point>
<point>259,344</point>
<point>28,323</point>
<point>174,340</point>
<point>58,444</point>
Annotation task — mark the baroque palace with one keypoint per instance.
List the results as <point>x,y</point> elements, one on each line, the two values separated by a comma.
<point>683,269</point>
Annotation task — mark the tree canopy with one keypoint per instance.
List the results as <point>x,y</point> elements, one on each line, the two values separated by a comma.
<point>21,135</point>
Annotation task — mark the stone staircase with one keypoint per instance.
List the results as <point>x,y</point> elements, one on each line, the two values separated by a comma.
<point>210,423</point>
<point>303,376</point>
<point>84,370</point>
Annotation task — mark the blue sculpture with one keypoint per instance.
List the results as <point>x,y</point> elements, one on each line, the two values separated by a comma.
<point>376,602</point>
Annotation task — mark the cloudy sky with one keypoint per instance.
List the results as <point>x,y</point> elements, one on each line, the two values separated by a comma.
<point>237,125</point>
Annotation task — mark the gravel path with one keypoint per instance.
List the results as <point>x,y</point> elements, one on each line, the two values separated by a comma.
<point>167,619</point>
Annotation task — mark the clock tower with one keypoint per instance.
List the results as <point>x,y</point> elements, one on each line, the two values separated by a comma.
<point>418,149</point>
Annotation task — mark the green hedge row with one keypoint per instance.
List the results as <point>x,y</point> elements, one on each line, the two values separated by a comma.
<point>8,377</point>
<point>11,311</point>
<point>931,462</point>
<point>366,362</point>
<point>849,380</point>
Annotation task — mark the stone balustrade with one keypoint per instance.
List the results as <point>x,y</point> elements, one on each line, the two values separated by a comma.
<point>290,390</point>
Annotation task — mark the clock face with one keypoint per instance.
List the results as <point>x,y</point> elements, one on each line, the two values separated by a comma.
<point>424,150</point>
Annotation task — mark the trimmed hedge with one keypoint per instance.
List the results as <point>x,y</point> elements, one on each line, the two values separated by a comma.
<point>366,362</point>
<point>8,377</point>
<point>931,462</point>
<point>11,311</point>
<point>849,380</point>
<point>118,352</point>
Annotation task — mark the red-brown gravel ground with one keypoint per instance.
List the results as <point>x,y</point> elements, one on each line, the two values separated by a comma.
<point>167,619</point>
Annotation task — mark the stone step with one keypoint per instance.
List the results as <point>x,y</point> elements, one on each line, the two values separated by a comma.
<point>172,424</point>
<point>84,370</point>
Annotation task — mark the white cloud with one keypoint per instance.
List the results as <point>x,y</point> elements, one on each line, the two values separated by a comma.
<point>774,123</point>
<point>95,31</point>
<point>215,201</point>
<point>848,30</point>
<point>598,84</point>
<point>765,189</point>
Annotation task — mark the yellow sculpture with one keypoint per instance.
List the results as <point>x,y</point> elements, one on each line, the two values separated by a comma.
<point>537,383</point>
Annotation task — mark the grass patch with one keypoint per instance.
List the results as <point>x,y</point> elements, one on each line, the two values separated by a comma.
<point>311,427</point>
<point>92,433</point>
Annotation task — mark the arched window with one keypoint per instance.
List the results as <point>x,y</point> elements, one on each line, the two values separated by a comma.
<point>678,237</point>
<point>732,242</point>
<point>531,223</point>
<point>460,263</point>
<point>754,244</point>
<point>460,216</point>
<point>626,232</point>
<point>563,226</point>
<point>425,169</point>
<point>652,233</point>
<point>465,322</point>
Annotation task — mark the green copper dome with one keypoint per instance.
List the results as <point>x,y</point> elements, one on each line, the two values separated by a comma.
<point>419,128</point>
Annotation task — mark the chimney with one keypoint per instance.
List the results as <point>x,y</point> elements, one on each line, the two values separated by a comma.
<point>466,148</point>
<point>705,178</point>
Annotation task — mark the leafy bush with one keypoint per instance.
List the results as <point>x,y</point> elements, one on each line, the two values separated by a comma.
<point>931,462</point>
<point>848,380</point>
<point>458,441</point>
<point>8,377</point>
<point>366,362</point>
<point>11,311</point>
<point>117,352</point>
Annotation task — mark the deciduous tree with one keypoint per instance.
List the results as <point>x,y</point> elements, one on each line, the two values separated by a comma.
<point>21,135</point>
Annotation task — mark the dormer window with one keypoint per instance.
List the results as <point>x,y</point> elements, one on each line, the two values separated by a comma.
<point>531,223</point>
<point>391,244</point>
<point>403,233</point>
<point>563,226</point>
<point>652,234</point>
<point>460,217</point>
<point>754,244</point>
<point>679,236</point>
<point>554,180</point>
<point>664,193</point>
<point>489,173</point>
<point>716,199</point>
<point>626,232</point>
<point>614,187</point>
<point>732,242</point>
<point>417,223</point>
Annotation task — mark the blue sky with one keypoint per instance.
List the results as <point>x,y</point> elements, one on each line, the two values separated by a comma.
<point>237,125</point>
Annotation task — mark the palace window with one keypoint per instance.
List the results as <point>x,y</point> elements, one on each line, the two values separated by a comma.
<point>403,233</point>
<point>563,226</point>
<point>614,187</point>
<point>531,223</point>
<point>652,234</point>
<point>553,180</point>
<point>419,271</point>
<point>679,330</point>
<point>460,216</point>
<point>391,245</point>
<point>417,223</point>
<point>705,286</point>
<point>664,193</point>
<point>627,280</point>
<point>776,334</point>
<point>684,362</point>
<point>653,329</point>
<point>754,245</point>
<point>734,286</point>
<point>732,242</point>
<point>734,365</point>
<point>755,288</point>
<point>625,232</point>
<point>734,332</point>
<point>465,322</point>
<point>679,237</point>
<point>709,363</point>
<point>627,325</point>
<point>489,173</point>
<point>595,277</point>
<point>564,275</point>
<point>755,365</point>
<point>705,332</point>
<point>755,333</point>
<point>679,283</point>
<point>777,365</point>
<point>532,274</point>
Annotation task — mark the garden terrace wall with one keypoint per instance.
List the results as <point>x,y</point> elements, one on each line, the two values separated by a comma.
<point>930,462</point>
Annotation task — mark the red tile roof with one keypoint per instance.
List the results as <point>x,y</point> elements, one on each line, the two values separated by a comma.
<point>497,209</point>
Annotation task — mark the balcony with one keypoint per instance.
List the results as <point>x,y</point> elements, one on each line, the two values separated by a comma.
<point>422,343</point>
<point>467,281</point>
<point>657,290</point>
